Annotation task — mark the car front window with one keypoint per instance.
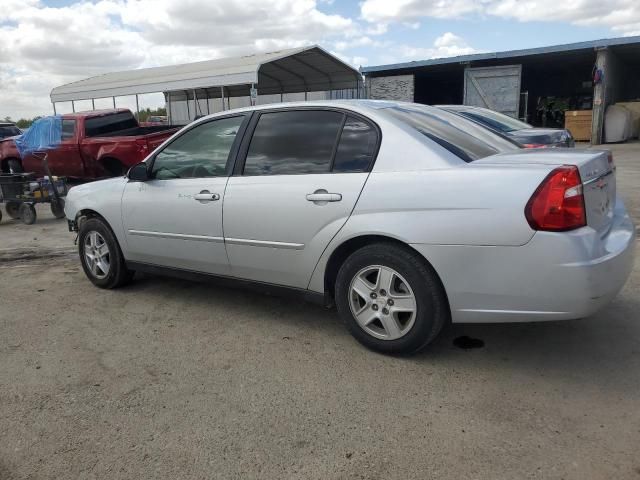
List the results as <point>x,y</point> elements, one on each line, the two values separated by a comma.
<point>202,151</point>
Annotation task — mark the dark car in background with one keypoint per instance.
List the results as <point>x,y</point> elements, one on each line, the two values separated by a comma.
<point>521,132</point>
<point>8,129</point>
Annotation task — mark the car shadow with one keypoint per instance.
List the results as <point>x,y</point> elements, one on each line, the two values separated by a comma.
<point>586,350</point>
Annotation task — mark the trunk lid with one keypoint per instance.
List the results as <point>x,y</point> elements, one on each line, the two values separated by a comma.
<point>596,172</point>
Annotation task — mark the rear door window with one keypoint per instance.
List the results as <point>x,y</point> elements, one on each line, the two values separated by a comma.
<point>293,142</point>
<point>357,146</point>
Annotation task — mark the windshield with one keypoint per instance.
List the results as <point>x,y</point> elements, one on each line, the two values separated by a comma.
<point>460,136</point>
<point>495,120</point>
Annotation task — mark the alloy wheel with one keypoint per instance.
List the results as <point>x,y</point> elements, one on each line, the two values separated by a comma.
<point>382,302</point>
<point>97,255</point>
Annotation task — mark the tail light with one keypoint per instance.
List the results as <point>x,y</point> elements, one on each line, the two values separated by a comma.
<point>533,145</point>
<point>557,205</point>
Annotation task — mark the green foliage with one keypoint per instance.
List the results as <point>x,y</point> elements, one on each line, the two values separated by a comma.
<point>146,113</point>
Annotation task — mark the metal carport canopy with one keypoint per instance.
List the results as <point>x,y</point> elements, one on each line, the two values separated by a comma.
<point>286,71</point>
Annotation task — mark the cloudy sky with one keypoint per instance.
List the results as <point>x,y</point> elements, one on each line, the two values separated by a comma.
<point>46,43</point>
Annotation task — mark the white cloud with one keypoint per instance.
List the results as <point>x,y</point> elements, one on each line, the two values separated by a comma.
<point>446,45</point>
<point>44,47</point>
<point>621,16</point>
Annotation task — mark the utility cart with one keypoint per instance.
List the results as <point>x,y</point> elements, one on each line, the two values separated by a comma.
<point>20,192</point>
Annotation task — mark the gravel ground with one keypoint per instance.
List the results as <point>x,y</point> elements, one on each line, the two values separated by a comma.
<point>172,379</point>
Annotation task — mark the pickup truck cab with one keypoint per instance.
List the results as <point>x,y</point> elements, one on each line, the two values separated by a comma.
<point>94,144</point>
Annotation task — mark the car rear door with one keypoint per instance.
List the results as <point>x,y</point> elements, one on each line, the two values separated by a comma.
<point>175,218</point>
<point>297,180</point>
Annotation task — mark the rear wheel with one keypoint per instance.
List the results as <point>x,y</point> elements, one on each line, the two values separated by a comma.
<point>390,299</point>
<point>28,214</point>
<point>13,209</point>
<point>100,255</point>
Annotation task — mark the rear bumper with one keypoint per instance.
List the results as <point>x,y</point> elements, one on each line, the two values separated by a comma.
<point>555,276</point>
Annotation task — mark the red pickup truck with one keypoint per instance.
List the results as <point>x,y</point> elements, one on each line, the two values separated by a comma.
<point>94,144</point>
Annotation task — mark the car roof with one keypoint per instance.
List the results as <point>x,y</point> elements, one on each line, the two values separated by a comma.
<point>7,124</point>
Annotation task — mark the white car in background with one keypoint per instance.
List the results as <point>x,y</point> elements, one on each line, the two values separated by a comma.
<point>404,216</point>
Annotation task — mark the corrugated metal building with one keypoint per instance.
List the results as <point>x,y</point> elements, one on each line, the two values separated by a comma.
<point>521,83</point>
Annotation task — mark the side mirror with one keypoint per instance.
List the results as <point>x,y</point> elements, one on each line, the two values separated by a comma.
<point>139,172</point>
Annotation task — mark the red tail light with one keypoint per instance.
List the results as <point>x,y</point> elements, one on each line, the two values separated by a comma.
<point>533,145</point>
<point>557,205</point>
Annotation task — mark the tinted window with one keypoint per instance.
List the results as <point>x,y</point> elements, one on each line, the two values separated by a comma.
<point>96,126</point>
<point>68,129</point>
<point>203,151</point>
<point>357,146</point>
<point>464,138</point>
<point>293,142</point>
<point>498,121</point>
<point>9,131</point>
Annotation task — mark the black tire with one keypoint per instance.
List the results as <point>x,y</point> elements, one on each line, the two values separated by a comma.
<point>28,214</point>
<point>57,207</point>
<point>15,166</point>
<point>118,274</point>
<point>13,209</point>
<point>432,309</point>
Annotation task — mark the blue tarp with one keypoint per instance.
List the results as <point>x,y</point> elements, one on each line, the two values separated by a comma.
<point>44,134</point>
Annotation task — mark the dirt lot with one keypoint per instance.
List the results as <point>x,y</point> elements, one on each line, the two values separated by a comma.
<point>171,379</point>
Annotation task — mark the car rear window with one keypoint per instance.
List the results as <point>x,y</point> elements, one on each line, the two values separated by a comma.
<point>96,126</point>
<point>464,138</point>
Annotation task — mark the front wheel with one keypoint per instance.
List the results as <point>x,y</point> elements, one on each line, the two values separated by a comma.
<point>391,299</point>
<point>100,255</point>
<point>13,209</point>
<point>27,214</point>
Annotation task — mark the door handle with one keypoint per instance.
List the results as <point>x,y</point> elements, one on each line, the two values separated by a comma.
<point>322,197</point>
<point>206,196</point>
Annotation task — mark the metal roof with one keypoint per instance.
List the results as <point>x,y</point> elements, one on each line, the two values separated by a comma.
<point>286,71</point>
<point>569,47</point>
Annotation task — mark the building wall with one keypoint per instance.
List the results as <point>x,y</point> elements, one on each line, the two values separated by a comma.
<point>398,87</point>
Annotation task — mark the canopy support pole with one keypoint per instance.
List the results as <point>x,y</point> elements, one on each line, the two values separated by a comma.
<point>93,104</point>
<point>138,107</point>
<point>222,97</point>
<point>186,92</point>
<point>169,102</point>
<point>206,92</point>
<point>196,105</point>
<point>114,102</point>
<point>54,108</point>
<point>73,106</point>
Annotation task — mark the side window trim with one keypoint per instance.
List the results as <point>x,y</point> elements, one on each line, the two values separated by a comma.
<point>241,156</point>
<point>233,153</point>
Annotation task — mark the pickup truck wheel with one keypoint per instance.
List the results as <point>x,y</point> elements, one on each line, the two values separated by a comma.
<point>390,299</point>
<point>100,255</point>
<point>15,166</point>
<point>57,208</point>
<point>28,214</point>
<point>13,209</point>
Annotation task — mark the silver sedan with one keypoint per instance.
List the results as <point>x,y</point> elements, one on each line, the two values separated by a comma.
<point>404,216</point>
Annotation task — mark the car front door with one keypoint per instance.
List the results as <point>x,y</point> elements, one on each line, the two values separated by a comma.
<point>175,218</point>
<point>302,173</point>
